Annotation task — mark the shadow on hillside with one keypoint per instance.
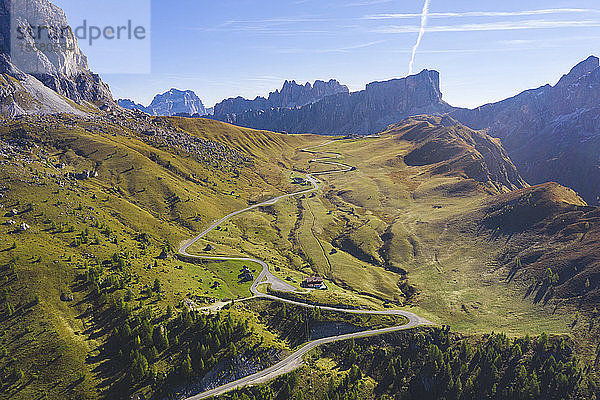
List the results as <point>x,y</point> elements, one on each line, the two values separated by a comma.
<point>511,274</point>
<point>530,290</point>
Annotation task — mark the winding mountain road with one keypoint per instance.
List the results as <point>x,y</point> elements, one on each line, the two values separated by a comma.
<point>295,359</point>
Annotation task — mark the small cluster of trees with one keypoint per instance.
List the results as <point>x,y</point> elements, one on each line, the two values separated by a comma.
<point>193,338</point>
<point>192,341</point>
<point>436,364</point>
<point>137,343</point>
<point>60,227</point>
<point>104,228</point>
<point>346,388</point>
<point>205,339</point>
<point>293,322</point>
<point>550,277</point>
<point>288,388</point>
<point>139,340</point>
<point>85,238</point>
<point>8,275</point>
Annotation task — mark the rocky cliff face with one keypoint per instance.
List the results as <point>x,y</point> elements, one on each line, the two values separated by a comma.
<point>22,94</point>
<point>552,133</point>
<point>363,112</point>
<point>84,86</point>
<point>173,102</point>
<point>68,60</point>
<point>131,105</point>
<point>64,71</point>
<point>291,95</point>
<point>177,102</point>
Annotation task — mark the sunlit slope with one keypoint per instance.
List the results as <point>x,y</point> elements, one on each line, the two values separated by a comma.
<point>549,228</point>
<point>411,225</point>
<point>142,196</point>
<point>350,231</point>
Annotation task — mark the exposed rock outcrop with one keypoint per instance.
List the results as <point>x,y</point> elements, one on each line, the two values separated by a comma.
<point>363,112</point>
<point>131,105</point>
<point>82,87</point>
<point>552,133</point>
<point>172,102</point>
<point>21,94</point>
<point>291,95</point>
<point>65,72</point>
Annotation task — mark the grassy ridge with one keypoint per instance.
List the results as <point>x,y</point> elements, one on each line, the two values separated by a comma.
<point>394,232</point>
<point>143,202</point>
<point>415,234</point>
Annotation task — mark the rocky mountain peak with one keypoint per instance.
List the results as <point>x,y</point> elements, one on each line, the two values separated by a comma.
<point>177,101</point>
<point>585,67</point>
<point>291,95</point>
<point>66,71</point>
<point>417,91</point>
<point>40,13</point>
<point>552,133</point>
<point>172,102</point>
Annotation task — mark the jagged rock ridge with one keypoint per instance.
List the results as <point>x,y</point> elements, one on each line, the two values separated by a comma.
<point>552,133</point>
<point>291,95</point>
<point>362,112</point>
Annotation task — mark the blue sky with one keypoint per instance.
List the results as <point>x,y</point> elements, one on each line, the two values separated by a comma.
<point>484,50</point>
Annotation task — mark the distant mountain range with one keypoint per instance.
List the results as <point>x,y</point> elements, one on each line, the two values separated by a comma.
<point>551,133</point>
<point>172,102</point>
<point>187,103</point>
<point>366,111</point>
<point>291,95</point>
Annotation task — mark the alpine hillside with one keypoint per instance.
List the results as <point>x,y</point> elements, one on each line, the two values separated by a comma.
<point>315,243</point>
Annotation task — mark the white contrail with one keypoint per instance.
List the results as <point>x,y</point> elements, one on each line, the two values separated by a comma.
<point>421,33</point>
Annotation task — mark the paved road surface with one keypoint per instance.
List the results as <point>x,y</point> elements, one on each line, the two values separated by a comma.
<point>295,359</point>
